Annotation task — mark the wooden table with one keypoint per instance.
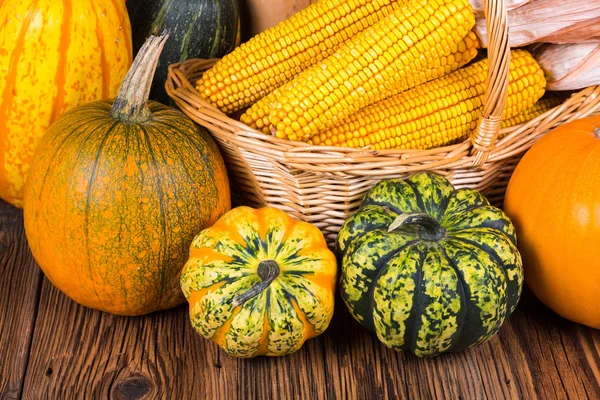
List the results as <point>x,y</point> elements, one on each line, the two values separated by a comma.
<point>50,347</point>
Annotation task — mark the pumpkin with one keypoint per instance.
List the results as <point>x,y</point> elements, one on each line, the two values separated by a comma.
<point>259,282</point>
<point>554,200</point>
<point>197,29</point>
<point>116,193</point>
<point>55,55</point>
<point>430,269</point>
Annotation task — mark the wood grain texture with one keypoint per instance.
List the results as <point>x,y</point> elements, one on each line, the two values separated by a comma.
<point>81,353</point>
<point>20,282</point>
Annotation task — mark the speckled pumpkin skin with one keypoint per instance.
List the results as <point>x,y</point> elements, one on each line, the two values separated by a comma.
<point>54,56</point>
<point>428,297</point>
<point>223,263</point>
<point>111,208</point>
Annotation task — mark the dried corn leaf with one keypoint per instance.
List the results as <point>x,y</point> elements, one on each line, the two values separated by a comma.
<point>569,66</point>
<point>551,21</point>
<point>510,5</point>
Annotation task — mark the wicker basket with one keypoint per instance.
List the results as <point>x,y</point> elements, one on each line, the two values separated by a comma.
<point>323,185</point>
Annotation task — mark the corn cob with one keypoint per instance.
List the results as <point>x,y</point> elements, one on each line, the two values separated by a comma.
<point>381,58</point>
<point>540,107</point>
<point>439,112</point>
<point>462,53</point>
<point>274,56</point>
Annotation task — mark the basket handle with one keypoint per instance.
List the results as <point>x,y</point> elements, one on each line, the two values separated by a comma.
<point>485,136</point>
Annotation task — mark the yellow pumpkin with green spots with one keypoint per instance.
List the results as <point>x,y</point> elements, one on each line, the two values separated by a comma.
<point>429,268</point>
<point>259,282</point>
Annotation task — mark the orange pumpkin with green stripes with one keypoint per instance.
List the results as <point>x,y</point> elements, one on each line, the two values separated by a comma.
<point>54,55</point>
<point>259,282</point>
<point>116,193</point>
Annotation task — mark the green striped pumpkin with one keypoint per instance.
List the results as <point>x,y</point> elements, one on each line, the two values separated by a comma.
<point>429,268</point>
<point>197,29</point>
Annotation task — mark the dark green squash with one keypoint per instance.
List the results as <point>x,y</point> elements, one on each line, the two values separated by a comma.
<point>197,29</point>
<point>429,268</point>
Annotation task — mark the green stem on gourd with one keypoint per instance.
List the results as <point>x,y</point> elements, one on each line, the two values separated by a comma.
<point>268,270</point>
<point>428,227</point>
<point>131,104</point>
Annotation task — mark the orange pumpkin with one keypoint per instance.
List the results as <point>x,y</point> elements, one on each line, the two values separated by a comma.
<point>117,191</point>
<point>554,201</point>
<point>54,55</point>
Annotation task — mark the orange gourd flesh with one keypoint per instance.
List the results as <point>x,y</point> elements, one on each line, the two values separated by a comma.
<point>54,55</point>
<point>554,201</point>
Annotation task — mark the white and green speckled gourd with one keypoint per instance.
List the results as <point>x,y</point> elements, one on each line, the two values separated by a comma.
<point>429,268</point>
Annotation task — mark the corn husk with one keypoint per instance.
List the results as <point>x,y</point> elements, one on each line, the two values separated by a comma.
<point>569,66</point>
<point>550,21</point>
<point>510,5</point>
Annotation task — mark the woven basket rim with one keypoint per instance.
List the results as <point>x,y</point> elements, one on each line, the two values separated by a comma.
<point>479,151</point>
<point>359,161</point>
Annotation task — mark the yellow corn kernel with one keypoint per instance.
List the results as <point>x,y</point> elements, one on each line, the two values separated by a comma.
<point>276,55</point>
<point>439,112</point>
<point>537,109</point>
<point>462,53</point>
<point>408,54</point>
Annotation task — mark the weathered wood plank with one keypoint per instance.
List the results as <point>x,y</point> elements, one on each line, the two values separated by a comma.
<point>77,352</point>
<point>20,281</point>
<point>563,360</point>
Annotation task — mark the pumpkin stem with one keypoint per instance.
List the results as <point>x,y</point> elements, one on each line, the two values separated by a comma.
<point>597,133</point>
<point>131,104</point>
<point>268,270</point>
<point>428,227</point>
